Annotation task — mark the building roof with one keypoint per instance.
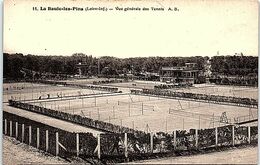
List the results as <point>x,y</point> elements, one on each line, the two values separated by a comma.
<point>174,68</point>
<point>183,69</point>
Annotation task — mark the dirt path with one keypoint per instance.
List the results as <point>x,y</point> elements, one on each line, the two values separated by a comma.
<point>234,156</point>
<point>64,125</point>
<point>18,153</point>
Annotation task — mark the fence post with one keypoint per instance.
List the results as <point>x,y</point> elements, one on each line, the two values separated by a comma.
<point>233,135</point>
<point>166,124</point>
<point>183,123</point>
<point>126,154</point>
<point>5,126</point>
<point>57,143</point>
<point>174,139</point>
<point>98,145</point>
<point>129,110</point>
<point>213,120</point>
<point>22,133</point>
<point>16,130</point>
<point>196,138</point>
<point>47,140</point>
<point>249,134</point>
<point>38,138</point>
<point>199,121</point>
<point>98,114</point>
<point>142,108</point>
<point>151,141</point>
<point>77,143</point>
<point>216,136</point>
<point>11,130</point>
<point>30,135</point>
<point>114,112</point>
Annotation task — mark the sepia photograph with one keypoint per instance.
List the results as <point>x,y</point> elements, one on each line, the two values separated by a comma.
<point>130,82</point>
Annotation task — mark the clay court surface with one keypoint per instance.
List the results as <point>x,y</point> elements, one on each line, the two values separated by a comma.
<point>139,112</point>
<point>137,84</point>
<point>148,113</point>
<point>222,90</point>
<point>27,91</point>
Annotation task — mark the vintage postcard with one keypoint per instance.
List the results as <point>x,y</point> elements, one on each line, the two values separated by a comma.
<point>131,81</point>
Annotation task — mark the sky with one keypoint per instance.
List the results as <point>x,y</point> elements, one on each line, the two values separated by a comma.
<point>198,28</point>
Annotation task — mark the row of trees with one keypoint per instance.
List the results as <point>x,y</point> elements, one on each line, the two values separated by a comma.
<point>234,65</point>
<point>220,65</point>
<point>14,63</point>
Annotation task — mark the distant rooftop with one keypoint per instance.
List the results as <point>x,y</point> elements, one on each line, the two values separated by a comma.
<point>181,68</point>
<point>174,68</point>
